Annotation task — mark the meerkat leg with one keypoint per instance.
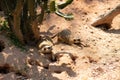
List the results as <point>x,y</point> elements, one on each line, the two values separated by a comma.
<point>53,56</point>
<point>107,18</point>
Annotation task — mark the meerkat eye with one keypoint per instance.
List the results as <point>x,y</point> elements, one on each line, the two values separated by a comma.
<point>45,49</point>
<point>49,47</point>
<point>74,40</point>
<point>78,39</point>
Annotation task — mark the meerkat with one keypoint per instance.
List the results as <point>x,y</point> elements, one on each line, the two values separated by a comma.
<point>66,36</point>
<point>45,46</point>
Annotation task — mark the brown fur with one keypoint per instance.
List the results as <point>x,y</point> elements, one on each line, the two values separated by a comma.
<point>65,36</point>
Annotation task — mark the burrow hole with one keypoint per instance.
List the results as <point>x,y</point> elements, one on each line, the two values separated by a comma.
<point>2,45</point>
<point>5,68</point>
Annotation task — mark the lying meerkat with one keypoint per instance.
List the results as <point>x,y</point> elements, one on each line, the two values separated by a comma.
<point>45,46</point>
<point>66,36</point>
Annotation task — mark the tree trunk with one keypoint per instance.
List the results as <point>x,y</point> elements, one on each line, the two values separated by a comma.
<point>17,20</point>
<point>22,19</point>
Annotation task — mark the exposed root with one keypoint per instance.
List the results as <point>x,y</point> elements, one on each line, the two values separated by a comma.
<point>107,18</point>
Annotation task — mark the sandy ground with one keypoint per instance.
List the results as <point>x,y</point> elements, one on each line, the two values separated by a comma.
<point>100,60</point>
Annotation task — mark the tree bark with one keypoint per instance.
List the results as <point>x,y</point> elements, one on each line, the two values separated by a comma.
<point>32,15</point>
<point>17,20</point>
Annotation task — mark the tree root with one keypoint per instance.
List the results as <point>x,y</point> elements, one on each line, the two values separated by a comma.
<point>107,18</point>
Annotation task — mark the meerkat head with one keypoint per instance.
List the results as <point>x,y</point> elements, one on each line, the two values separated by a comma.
<point>76,41</point>
<point>46,49</point>
<point>45,46</point>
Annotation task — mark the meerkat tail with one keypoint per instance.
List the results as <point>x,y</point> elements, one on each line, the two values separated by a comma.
<point>54,35</point>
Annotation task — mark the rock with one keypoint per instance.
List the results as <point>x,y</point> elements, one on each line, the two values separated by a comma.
<point>64,58</point>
